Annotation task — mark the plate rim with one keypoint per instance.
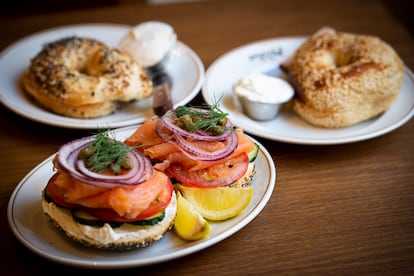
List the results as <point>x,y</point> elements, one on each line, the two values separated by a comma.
<point>404,118</point>
<point>77,123</point>
<point>93,264</point>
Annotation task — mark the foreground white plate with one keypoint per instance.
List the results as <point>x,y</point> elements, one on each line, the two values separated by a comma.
<point>265,56</point>
<point>184,66</point>
<point>31,227</point>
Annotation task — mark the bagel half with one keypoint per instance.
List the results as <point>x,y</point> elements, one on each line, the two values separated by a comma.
<point>84,78</point>
<point>125,237</point>
<point>342,79</point>
<point>247,179</point>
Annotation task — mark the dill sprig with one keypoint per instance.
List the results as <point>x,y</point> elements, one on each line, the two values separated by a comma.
<point>105,152</point>
<point>204,117</point>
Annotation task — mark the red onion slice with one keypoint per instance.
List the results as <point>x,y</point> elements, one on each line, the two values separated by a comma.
<point>141,167</point>
<point>163,132</point>
<point>170,117</point>
<point>197,153</point>
<point>132,176</point>
<point>191,150</point>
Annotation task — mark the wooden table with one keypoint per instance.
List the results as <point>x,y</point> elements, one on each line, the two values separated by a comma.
<point>336,209</point>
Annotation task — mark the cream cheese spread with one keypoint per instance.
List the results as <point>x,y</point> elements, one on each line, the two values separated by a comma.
<point>149,42</point>
<point>262,88</point>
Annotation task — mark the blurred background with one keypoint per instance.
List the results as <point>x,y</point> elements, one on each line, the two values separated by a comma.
<point>400,8</point>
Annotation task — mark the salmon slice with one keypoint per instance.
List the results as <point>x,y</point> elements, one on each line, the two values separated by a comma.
<point>160,150</point>
<point>131,201</point>
<point>72,189</point>
<point>145,135</point>
<point>126,201</point>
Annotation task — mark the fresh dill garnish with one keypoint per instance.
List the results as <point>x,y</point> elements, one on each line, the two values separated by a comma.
<point>204,117</point>
<point>105,152</point>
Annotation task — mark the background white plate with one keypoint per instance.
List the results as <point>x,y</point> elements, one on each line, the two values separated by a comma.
<point>184,66</point>
<point>265,56</point>
<point>31,227</point>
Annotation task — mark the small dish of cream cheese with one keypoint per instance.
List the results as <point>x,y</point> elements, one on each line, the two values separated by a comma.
<point>262,96</point>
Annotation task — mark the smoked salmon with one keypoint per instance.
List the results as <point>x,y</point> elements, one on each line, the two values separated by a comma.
<point>164,153</point>
<point>126,201</point>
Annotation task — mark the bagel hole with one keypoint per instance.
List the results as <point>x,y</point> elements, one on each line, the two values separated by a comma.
<point>80,67</point>
<point>89,70</point>
<point>343,59</point>
<point>83,70</point>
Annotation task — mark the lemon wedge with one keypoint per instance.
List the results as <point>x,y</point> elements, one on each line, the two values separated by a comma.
<point>217,203</point>
<point>189,224</point>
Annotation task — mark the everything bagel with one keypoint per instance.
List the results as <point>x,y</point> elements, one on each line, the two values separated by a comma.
<point>342,79</point>
<point>84,78</point>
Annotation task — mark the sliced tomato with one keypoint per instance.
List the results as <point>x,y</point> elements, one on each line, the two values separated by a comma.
<point>157,206</point>
<point>56,195</point>
<point>215,176</point>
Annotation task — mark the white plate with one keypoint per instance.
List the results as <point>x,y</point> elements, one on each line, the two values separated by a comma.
<point>184,66</point>
<point>32,228</point>
<point>265,56</point>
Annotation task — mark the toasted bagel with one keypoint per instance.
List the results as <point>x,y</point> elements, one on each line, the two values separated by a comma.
<point>342,79</point>
<point>84,78</point>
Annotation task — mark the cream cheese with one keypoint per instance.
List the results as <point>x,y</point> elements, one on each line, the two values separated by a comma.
<point>265,89</point>
<point>149,42</point>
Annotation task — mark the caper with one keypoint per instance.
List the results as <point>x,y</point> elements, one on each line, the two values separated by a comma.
<point>222,121</point>
<point>125,163</point>
<point>217,130</point>
<point>115,168</point>
<point>185,122</point>
<point>196,119</point>
<point>86,152</point>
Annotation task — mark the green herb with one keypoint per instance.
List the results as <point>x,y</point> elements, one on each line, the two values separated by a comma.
<point>105,152</point>
<point>205,117</point>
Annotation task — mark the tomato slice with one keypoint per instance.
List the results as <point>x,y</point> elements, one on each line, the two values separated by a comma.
<point>156,207</point>
<point>159,204</point>
<point>214,176</point>
<point>56,195</point>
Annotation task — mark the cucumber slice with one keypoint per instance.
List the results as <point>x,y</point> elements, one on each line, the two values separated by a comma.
<point>47,196</point>
<point>253,153</point>
<point>151,220</point>
<point>83,217</point>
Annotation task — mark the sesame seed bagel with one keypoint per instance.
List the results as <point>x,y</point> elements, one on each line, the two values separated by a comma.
<point>342,79</point>
<point>84,78</point>
<point>124,237</point>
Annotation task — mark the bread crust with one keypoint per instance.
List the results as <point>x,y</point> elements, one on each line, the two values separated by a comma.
<point>61,217</point>
<point>342,79</point>
<point>84,78</point>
